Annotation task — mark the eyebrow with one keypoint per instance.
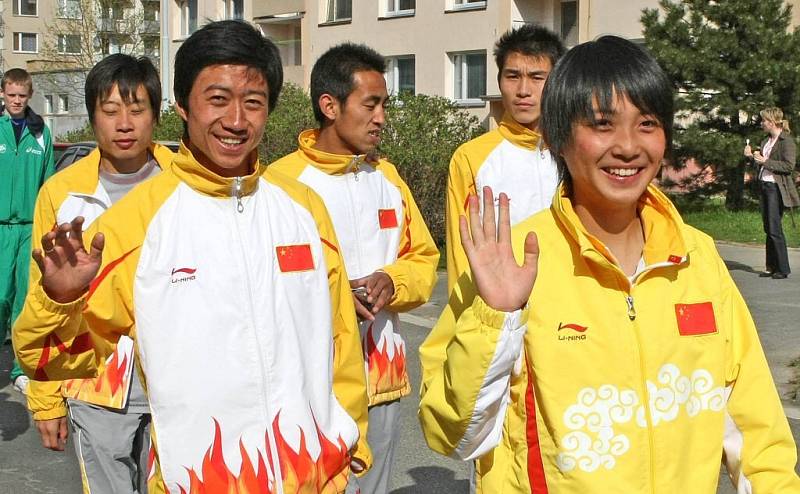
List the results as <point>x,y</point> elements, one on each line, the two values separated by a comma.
<point>220,87</point>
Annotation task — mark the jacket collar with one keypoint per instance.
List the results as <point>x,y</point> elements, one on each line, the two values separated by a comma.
<point>517,134</point>
<point>332,164</point>
<point>90,169</point>
<point>664,241</point>
<point>186,167</point>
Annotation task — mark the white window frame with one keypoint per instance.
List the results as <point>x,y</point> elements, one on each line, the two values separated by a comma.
<point>393,8</point>
<point>459,63</point>
<point>393,73</point>
<point>18,5</point>
<point>61,46</point>
<point>468,4</point>
<point>330,11</point>
<point>63,103</point>
<point>186,29</point>
<point>18,41</point>
<point>48,104</point>
<point>230,10</point>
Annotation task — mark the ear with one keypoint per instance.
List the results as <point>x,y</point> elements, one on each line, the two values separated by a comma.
<point>182,112</point>
<point>329,106</point>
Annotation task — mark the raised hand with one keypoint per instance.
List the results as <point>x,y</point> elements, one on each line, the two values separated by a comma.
<point>502,283</point>
<point>66,267</point>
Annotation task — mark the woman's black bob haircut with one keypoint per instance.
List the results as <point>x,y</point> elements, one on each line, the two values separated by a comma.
<point>602,71</point>
<point>227,42</point>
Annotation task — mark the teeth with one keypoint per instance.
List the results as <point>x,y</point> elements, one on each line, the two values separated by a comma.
<point>623,172</point>
<point>230,140</point>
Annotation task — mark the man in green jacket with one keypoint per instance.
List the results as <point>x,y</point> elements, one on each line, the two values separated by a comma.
<point>26,161</point>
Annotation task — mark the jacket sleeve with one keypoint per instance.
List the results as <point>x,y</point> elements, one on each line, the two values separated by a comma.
<point>349,377</point>
<point>45,400</point>
<point>464,399</point>
<point>460,184</point>
<point>760,452</point>
<point>783,163</point>
<point>414,271</point>
<point>52,340</point>
<point>49,159</point>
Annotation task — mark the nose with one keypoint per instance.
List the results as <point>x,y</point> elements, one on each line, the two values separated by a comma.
<point>234,118</point>
<point>379,117</point>
<point>626,144</point>
<point>124,123</point>
<point>524,87</point>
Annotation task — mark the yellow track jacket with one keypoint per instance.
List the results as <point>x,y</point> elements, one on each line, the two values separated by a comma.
<point>509,159</point>
<point>610,386</point>
<point>77,191</point>
<point>243,325</point>
<point>379,228</point>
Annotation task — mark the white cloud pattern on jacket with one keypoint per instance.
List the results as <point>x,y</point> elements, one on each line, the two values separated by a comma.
<point>594,443</point>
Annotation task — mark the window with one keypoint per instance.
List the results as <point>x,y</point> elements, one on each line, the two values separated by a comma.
<point>188,17</point>
<point>469,76</point>
<point>151,46</point>
<point>569,22</point>
<point>400,75</point>
<point>69,44</point>
<point>151,11</point>
<point>48,103</point>
<point>234,9</point>
<point>468,4</point>
<point>24,7</point>
<point>400,7</point>
<point>339,10</point>
<point>26,42</point>
<point>63,103</point>
<point>69,9</point>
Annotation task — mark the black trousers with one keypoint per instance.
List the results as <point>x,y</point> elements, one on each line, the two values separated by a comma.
<point>771,214</point>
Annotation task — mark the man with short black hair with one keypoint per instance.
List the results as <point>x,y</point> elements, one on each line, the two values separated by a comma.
<point>229,279</point>
<point>390,256</point>
<point>26,161</point>
<point>108,415</point>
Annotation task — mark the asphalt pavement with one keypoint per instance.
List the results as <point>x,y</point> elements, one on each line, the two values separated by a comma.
<point>26,467</point>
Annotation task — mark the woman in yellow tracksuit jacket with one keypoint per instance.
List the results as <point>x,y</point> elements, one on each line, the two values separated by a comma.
<point>229,337</point>
<point>614,376</point>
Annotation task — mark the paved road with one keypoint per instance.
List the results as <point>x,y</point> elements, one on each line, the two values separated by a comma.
<point>27,468</point>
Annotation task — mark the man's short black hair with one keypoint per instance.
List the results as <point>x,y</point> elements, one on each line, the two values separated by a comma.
<point>127,73</point>
<point>333,73</point>
<point>529,40</point>
<point>602,71</point>
<point>227,42</point>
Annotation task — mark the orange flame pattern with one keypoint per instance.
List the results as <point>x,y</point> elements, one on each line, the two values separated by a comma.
<point>385,373</point>
<point>108,388</point>
<point>300,472</point>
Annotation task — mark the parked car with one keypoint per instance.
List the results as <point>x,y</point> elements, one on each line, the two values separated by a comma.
<point>74,152</point>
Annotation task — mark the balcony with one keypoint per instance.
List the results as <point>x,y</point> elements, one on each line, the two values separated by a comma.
<point>269,8</point>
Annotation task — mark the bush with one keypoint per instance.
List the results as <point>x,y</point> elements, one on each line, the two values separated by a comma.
<point>420,137</point>
<point>292,115</point>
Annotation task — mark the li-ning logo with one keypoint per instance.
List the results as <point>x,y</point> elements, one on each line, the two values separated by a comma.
<point>180,275</point>
<point>572,337</point>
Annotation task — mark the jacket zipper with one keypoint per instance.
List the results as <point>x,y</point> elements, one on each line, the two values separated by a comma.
<point>353,198</point>
<point>354,167</point>
<point>276,466</point>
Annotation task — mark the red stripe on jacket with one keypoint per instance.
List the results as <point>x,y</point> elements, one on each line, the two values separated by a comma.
<point>536,476</point>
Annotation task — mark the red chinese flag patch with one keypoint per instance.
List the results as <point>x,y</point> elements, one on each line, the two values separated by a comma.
<point>695,319</point>
<point>293,258</point>
<point>387,218</point>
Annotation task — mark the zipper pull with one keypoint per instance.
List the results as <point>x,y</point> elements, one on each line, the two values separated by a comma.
<point>237,193</point>
<point>631,308</point>
<point>354,167</point>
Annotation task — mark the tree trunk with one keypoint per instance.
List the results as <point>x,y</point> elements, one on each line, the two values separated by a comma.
<point>734,194</point>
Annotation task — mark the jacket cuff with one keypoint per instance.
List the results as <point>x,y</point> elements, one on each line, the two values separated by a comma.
<point>509,321</point>
<point>54,307</point>
<point>58,411</point>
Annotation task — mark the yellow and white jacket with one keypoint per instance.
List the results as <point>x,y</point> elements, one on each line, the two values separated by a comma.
<point>379,228</point>
<point>509,159</point>
<point>235,295</point>
<point>77,191</point>
<point>606,385</point>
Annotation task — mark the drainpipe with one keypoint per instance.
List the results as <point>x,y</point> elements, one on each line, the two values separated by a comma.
<point>166,64</point>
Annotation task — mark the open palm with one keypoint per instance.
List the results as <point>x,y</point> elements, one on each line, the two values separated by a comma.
<point>502,283</point>
<point>67,268</point>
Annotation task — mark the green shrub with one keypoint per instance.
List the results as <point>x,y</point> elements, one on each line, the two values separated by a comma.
<point>292,115</point>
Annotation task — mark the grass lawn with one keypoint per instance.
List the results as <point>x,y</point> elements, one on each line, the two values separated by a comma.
<point>740,226</point>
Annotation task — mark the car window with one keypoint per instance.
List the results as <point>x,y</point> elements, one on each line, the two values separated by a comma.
<point>66,159</point>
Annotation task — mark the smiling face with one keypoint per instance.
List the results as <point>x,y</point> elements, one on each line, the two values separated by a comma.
<point>225,119</point>
<point>521,82</point>
<point>124,131</point>
<point>356,123</point>
<point>16,96</point>
<point>612,161</point>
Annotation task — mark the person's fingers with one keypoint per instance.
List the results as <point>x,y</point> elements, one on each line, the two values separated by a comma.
<point>38,258</point>
<point>504,220</point>
<point>62,244</point>
<point>76,234</point>
<point>357,283</point>
<point>531,251</point>
<point>466,240</point>
<point>96,249</point>
<point>362,311</point>
<point>63,433</point>
<point>383,298</point>
<point>475,226</point>
<point>489,225</point>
